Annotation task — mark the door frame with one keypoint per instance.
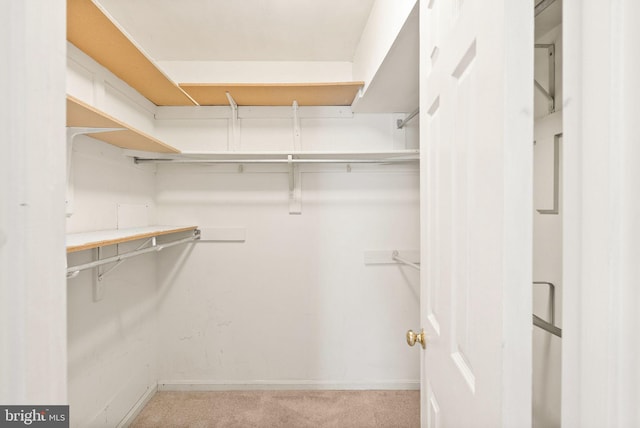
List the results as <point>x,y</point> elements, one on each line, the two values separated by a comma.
<point>601,232</point>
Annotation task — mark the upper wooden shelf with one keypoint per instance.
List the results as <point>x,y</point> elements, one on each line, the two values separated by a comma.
<point>83,115</point>
<point>96,35</point>
<point>274,94</point>
<point>102,238</point>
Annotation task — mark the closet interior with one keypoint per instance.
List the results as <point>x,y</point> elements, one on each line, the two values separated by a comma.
<point>547,216</point>
<point>239,219</point>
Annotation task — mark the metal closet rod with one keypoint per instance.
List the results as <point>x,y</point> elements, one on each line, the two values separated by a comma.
<point>397,258</point>
<point>539,322</point>
<point>401,123</point>
<point>73,270</point>
<point>276,161</point>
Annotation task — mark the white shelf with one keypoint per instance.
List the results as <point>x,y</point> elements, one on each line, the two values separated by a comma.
<point>82,115</point>
<point>101,238</point>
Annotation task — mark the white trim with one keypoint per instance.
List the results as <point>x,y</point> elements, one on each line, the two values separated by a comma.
<point>517,268</point>
<point>252,112</point>
<point>138,406</point>
<point>600,349</point>
<point>283,385</point>
<point>33,300</point>
<point>232,72</point>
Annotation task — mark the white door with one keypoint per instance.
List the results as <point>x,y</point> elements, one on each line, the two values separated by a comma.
<point>476,190</point>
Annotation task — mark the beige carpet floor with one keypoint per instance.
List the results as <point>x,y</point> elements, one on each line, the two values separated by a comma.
<point>287,409</point>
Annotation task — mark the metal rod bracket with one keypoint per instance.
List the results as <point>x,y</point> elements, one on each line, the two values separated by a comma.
<point>295,191</point>
<point>396,256</point>
<point>99,279</point>
<point>296,127</point>
<point>234,143</point>
<point>550,93</point>
<point>400,123</point>
<point>539,322</point>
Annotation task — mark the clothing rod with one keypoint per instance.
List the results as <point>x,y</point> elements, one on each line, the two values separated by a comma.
<point>115,266</point>
<point>401,123</point>
<point>276,161</point>
<point>158,247</point>
<point>539,322</point>
<point>406,262</point>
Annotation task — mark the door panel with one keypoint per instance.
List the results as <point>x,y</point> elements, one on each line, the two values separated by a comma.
<point>468,178</point>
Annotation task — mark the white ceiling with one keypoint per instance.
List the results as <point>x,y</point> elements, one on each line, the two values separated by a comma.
<point>243,30</point>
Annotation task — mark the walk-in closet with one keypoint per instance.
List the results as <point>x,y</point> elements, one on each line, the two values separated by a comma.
<point>547,216</point>
<point>238,211</point>
<point>299,213</point>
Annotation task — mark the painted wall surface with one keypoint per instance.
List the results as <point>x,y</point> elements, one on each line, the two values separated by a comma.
<point>32,285</point>
<point>294,305</point>
<point>95,85</point>
<point>112,343</point>
<point>547,261</point>
<point>258,71</point>
<point>385,22</point>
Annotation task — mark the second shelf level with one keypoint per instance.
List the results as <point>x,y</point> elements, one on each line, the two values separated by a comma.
<point>102,238</point>
<point>82,115</point>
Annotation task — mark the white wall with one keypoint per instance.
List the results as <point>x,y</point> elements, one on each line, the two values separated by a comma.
<point>95,85</point>
<point>294,304</point>
<point>32,287</point>
<point>258,71</point>
<point>112,343</point>
<point>547,245</point>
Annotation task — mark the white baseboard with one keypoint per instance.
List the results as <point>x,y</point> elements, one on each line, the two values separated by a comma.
<point>137,408</point>
<point>259,385</point>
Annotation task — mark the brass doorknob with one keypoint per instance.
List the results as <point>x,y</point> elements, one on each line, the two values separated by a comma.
<point>413,337</point>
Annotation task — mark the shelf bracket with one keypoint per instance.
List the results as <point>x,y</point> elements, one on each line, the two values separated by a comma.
<point>100,277</point>
<point>551,325</point>
<point>401,123</point>
<point>72,133</point>
<point>97,285</point>
<point>549,94</point>
<point>396,256</point>
<point>150,245</point>
<point>119,262</point>
<point>295,192</point>
<point>296,128</point>
<point>235,128</point>
<point>556,178</point>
